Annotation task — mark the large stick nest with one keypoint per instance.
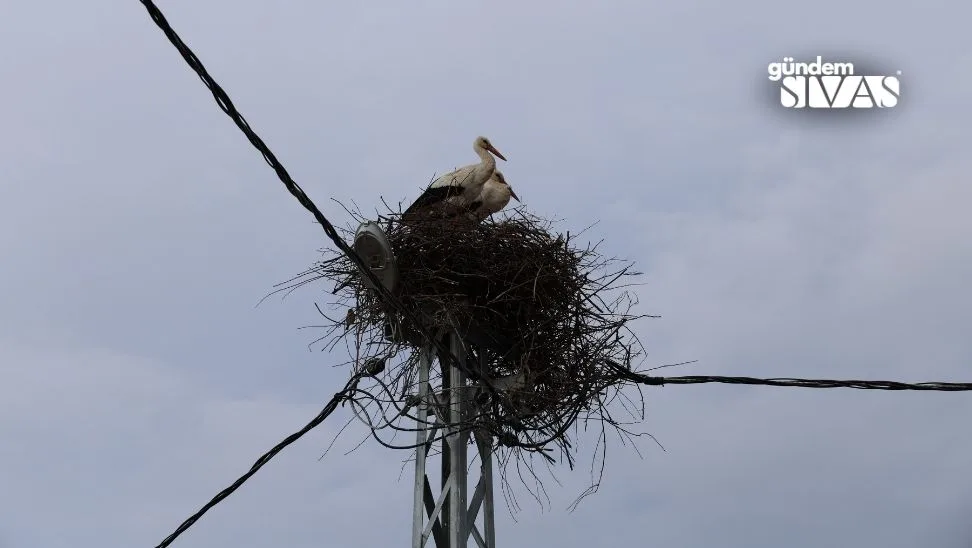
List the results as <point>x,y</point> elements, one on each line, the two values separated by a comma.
<point>544,318</point>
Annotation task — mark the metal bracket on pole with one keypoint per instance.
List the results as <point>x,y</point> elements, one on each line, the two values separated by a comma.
<point>447,518</point>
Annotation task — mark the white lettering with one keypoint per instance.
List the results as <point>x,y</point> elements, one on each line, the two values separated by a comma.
<point>847,91</point>
<point>817,67</point>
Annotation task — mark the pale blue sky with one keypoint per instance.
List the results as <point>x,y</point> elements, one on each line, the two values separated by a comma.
<point>138,229</point>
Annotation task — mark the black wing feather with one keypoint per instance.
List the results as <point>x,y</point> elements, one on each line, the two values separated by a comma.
<point>433,196</point>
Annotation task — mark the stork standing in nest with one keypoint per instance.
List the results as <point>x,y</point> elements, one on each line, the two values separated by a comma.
<point>457,190</point>
<point>493,198</point>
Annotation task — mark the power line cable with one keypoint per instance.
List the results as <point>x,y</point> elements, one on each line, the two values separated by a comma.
<point>805,383</point>
<point>260,462</point>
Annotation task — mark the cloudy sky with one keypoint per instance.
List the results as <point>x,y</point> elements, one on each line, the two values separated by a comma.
<point>138,229</point>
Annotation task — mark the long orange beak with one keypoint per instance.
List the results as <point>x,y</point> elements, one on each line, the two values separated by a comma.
<point>492,149</point>
<point>513,195</point>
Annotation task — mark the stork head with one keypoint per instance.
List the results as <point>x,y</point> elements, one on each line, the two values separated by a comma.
<point>500,178</point>
<point>483,143</point>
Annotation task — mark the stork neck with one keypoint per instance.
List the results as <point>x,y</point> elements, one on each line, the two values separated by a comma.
<point>489,161</point>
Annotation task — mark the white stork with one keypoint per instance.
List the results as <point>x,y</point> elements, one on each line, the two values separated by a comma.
<point>459,188</point>
<point>495,195</point>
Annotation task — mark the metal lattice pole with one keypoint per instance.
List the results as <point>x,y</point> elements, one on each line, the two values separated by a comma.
<point>447,518</point>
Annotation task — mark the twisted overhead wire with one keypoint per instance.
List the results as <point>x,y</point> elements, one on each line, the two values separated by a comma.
<point>227,106</point>
<point>805,383</point>
<point>260,462</point>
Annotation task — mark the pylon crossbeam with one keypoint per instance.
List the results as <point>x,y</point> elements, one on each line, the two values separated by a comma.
<point>437,532</point>
<point>476,502</point>
<point>477,537</point>
<point>434,514</point>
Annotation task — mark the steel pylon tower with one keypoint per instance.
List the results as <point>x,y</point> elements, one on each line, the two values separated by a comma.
<point>446,515</point>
